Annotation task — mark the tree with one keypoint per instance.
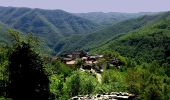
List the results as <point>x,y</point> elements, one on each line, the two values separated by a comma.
<point>80,63</point>
<point>27,78</point>
<point>3,70</point>
<point>114,79</point>
<point>88,83</point>
<point>152,93</point>
<point>56,86</point>
<point>72,85</point>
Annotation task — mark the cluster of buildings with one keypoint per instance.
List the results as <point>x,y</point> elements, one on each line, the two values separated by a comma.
<point>72,58</point>
<point>88,61</point>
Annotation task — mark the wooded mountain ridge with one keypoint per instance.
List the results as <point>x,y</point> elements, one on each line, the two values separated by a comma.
<point>62,31</point>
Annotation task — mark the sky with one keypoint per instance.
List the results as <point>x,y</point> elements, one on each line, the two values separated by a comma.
<point>83,6</point>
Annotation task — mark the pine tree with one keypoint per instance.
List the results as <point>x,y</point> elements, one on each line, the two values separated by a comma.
<point>27,78</point>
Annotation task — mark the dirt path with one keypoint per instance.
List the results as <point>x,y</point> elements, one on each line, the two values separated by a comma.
<point>98,76</point>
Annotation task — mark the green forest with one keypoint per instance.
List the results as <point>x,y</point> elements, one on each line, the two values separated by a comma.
<point>140,45</point>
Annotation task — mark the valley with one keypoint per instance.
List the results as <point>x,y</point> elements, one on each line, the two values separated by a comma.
<point>62,31</point>
<point>59,55</point>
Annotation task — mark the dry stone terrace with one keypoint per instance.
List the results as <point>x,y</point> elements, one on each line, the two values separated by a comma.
<point>106,96</point>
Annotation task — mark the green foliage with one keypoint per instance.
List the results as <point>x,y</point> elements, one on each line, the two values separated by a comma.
<point>56,85</point>
<point>148,81</point>
<point>21,52</point>
<point>106,19</point>
<point>3,71</point>
<point>69,32</point>
<point>144,45</point>
<point>50,25</point>
<point>56,67</point>
<point>72,85</point>
<point>78,83</point>
<point>79,63</point>
<point>26,74</point>
<point>58,73</point>
<point>141,45</point>
<point>41,21</point>
<point>123,62</point>
<point>152,93</point>
<point>115,80</point>
<point>105,35</point>
<point>100,37</point>
<point>88,83</point>
<point>15,36</point>
<point>2,98</point>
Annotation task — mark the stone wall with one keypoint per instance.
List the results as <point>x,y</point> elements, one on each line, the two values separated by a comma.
<point>106,96</point>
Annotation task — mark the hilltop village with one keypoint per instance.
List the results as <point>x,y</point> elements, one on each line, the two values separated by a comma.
<point>86,61</point>
<point>94,64</point>
<point>50,54</point>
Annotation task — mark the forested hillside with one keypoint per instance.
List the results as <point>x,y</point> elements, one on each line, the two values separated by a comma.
<point>107,19</point>
<point>49,25</point>
<point>4,37</point>
<point>62,31</point>
<point>96,39</point>
<point>152,42</point>
<point>41,21</point>
<point>129,58</point>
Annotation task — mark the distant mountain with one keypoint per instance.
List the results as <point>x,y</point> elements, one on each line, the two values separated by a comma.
<point>49,25</point>
<point>151,42</point>
<point>63,31</point>
<point>110,18</point>
<point>98,38</point>
<point>4,37</point>
<point>45,21</point>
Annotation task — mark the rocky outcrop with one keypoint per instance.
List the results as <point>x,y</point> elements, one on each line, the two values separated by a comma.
<point>106,96</point>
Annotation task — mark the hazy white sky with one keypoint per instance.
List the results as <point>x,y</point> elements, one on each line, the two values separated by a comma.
<point>93,5</point>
